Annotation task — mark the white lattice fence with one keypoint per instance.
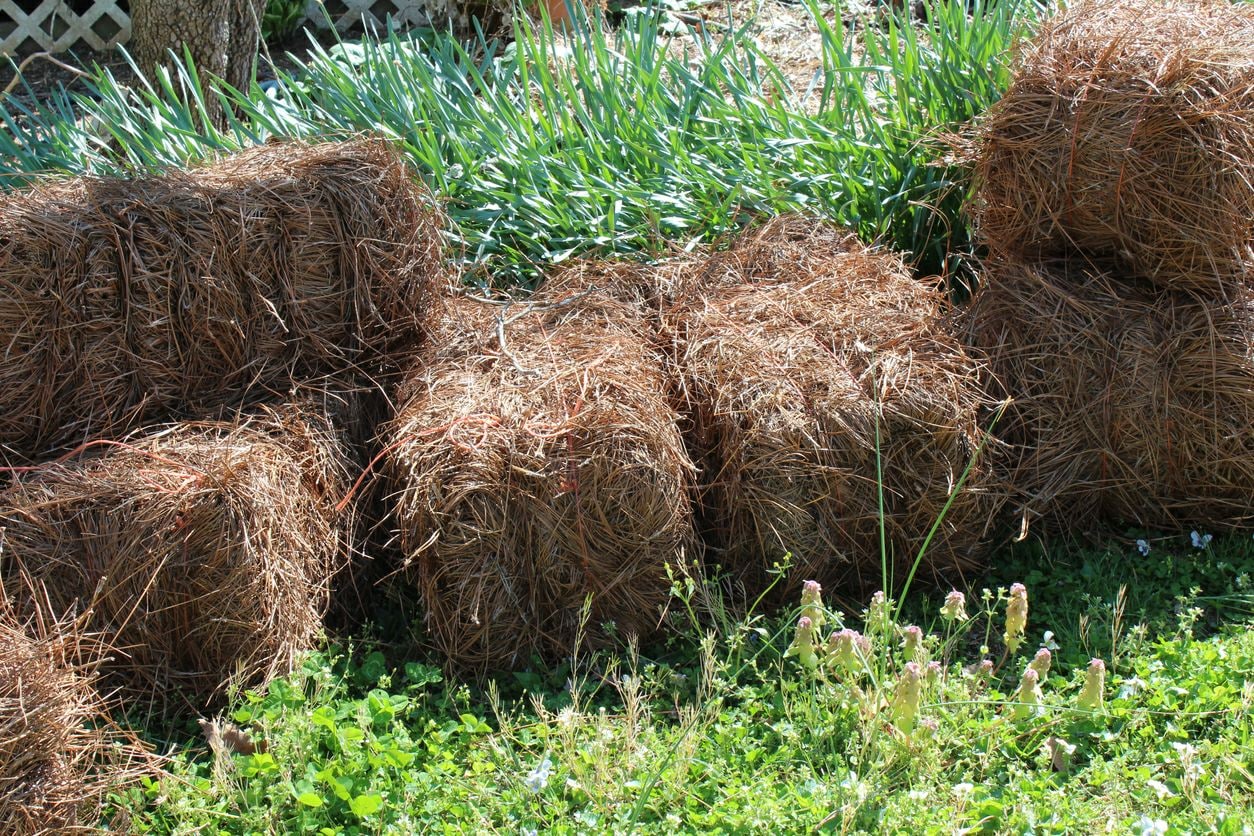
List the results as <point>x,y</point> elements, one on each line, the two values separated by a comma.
<point>54,26</point>
<point>59,25</point>
<point>371,13</point>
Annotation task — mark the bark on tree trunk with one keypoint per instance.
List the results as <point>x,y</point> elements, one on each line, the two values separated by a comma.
<point>245,23</point>
<point>221,35</point>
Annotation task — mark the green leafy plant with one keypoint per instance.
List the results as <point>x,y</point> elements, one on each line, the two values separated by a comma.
<point>281,19</point>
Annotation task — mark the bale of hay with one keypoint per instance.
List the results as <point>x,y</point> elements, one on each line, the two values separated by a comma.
<point>801,352</point>
<point>1128,133</point>
<point>649,286</point>
<point>57,758</point>
<point>1130,403</point>
<point>537,463</point>
<point>173,295</point>
<point>204,552</point>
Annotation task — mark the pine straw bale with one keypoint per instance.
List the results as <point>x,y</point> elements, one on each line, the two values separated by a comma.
<point>651,287</point>
<point>1128,132</point>
<point>205,552</point>
<point>173,295</point>
<point>57,755</point>
<point>789,346</point>
<point>537,463</point>
<point>1130,403</point>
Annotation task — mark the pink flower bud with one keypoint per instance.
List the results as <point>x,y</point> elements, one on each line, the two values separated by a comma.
<point>803,644</point>
<point>912,642</point>
<point>955,607</point>
<point>905,705</point>
<point>848,649</point>
<point>1016,617</point>
<point>1028,697</point>
<point>812,603</point>
<point>1041,662</point>
<point>879,614</point>
<point>1093,694</point>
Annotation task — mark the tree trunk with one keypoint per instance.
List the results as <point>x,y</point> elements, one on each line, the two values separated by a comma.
<point>222,37</point>
<point>245,23</point>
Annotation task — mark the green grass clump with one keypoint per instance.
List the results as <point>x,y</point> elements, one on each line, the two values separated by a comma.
<point>607,141</point>
<point>281,19</point>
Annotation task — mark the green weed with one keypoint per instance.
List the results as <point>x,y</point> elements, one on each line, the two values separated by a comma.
<point>892,728</point>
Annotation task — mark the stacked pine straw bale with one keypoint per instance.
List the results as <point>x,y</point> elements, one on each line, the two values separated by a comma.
<point>58,755</point>
<point>203,553</point>
<point>1116,198</point>
<point>1131,403</point>
<point>801,353</point>
<point>537,464</point>
<point>1128,133</point>
<point>127,301</point>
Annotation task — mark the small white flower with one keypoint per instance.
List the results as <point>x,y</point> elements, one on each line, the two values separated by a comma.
<point>1130,688</point>
<point>538,778</point>
<point>1151,827</point>
<point>1160,788</point>
<point>1060,753</point>
<point>1200,541</point>
<point>1143,546</point>
<point>963,791</point>
<point>856,785</point>
<point>1048,641</point>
